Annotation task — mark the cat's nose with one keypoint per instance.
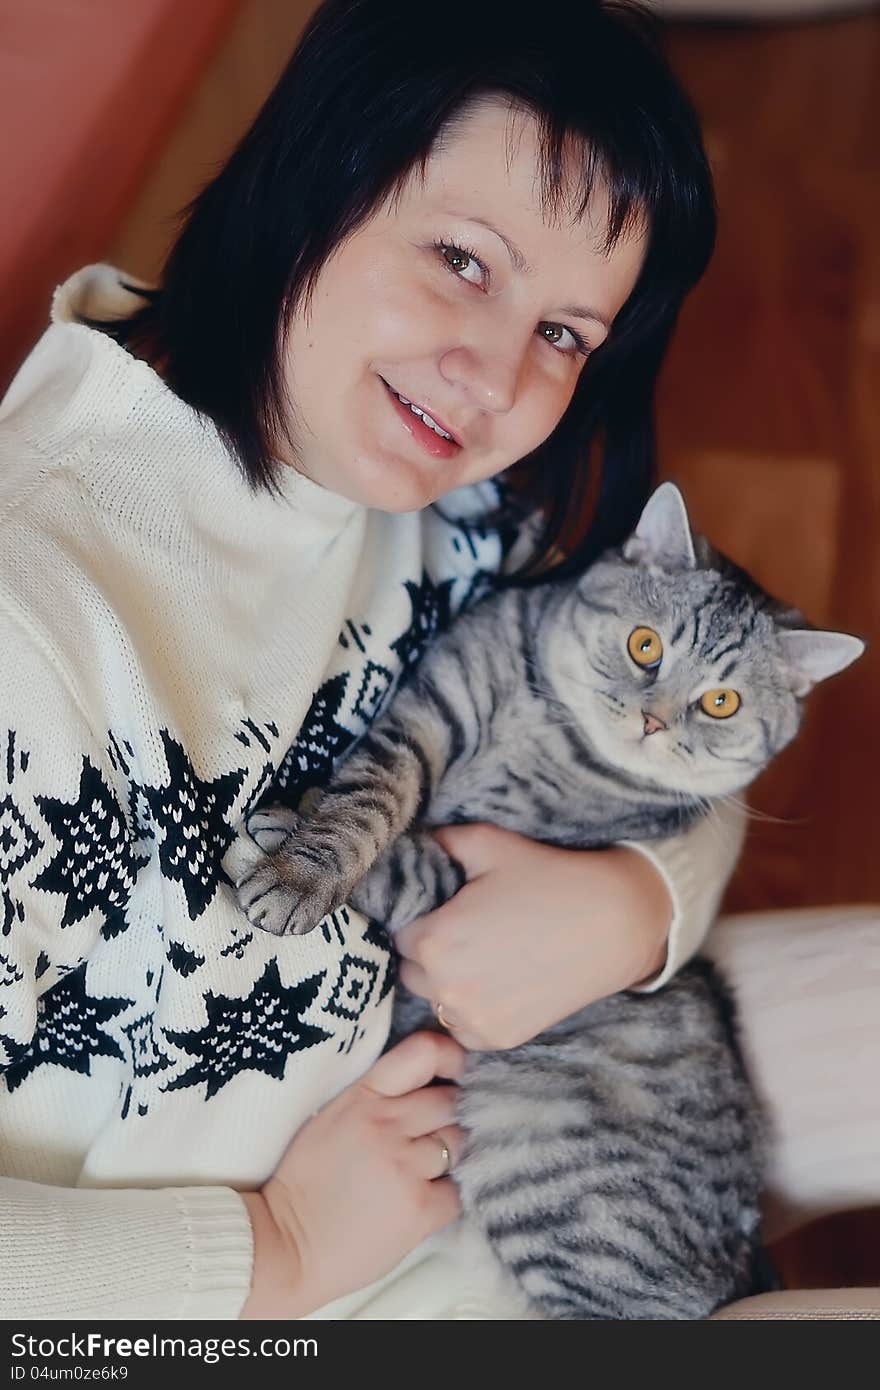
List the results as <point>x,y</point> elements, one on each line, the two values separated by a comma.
<point>652,724</point>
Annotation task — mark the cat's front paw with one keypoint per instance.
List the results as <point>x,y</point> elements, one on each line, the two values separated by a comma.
<point>272,826</point>
<point>282,893</point>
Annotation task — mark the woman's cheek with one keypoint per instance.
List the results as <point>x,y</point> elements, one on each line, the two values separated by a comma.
<point>415,325</point>
<point>550,402</point>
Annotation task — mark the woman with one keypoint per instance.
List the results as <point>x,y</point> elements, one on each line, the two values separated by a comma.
<point>423,265</point>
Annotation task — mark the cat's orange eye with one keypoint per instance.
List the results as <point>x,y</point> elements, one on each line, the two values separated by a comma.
<point>645,648</point>
<point>721,704</point>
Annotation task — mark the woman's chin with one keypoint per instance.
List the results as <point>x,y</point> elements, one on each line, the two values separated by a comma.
<point>389,483</point>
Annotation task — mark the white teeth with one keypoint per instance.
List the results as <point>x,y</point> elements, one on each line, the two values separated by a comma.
<point>426,419</point>
<point>434,426</point>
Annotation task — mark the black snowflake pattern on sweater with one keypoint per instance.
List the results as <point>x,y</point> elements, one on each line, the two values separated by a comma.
<point>186,824</point>
<point>376,684</point>
<point>147,1058</point>
<point>378,936</point>
<point>257,1033</point>
<point>95,867</point>
<point>9,971</point>
<point>10,1050</point>
<point>192,817</point>
<point>353,987</point>
<point>182,959</point>
<point>69,1030</point>
<point>321,740</point>
<point>431,613</point>
<point>20,842</point>
<point>323,737</point>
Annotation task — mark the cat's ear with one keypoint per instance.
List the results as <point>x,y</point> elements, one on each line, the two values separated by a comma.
<point>812,657</point>
<point>663,535</point>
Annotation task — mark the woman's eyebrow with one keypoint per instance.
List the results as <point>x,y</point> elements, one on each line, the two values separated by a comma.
<point>581,311</point>
<point>517,258</point>
<point>519,263</point>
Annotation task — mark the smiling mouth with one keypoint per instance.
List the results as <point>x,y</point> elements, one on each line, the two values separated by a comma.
<point>422,416</point>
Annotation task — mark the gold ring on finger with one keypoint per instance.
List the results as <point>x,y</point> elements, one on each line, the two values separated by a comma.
<point>440,1015</point>
<point>445,1157</point>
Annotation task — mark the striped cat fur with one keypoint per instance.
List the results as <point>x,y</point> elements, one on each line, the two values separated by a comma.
<point>614,1162</point>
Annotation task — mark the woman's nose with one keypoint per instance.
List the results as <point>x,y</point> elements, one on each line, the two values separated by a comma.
<point>491,378</point>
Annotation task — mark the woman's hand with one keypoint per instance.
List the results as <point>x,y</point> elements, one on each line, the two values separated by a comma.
<point>535,934</point>
<point>361,1184</point>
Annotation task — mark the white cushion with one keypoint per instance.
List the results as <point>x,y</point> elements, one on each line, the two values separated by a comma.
<point>807,984</point>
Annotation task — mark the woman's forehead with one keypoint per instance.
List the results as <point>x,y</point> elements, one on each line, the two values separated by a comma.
<point>490,160</point>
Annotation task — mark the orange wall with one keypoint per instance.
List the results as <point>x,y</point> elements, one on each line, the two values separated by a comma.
<point>88,89</point>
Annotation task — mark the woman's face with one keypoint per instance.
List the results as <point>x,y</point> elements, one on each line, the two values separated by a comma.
<point>491,352</point>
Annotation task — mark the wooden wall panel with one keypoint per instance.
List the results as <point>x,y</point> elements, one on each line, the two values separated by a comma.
<point>769,411</point>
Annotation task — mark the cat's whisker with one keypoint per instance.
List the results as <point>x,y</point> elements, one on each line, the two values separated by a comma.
<point>752,813</point>
<point>707,809</point>
<point>713,819</point>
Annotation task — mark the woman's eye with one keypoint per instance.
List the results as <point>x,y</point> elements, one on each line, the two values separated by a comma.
<point>645,648</point>
<point>557,333</point>
<point>465,264</point>
<point>720,704</point>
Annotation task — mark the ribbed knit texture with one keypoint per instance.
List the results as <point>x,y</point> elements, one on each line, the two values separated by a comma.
<point>178,1253</point>
<point>695,868</point>
<point>176,649</point>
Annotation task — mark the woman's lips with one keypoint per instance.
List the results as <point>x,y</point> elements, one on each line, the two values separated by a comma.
<point>432,442</point>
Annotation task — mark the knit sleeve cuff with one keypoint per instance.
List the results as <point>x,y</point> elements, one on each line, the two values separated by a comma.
<point>695,867</point>
<point>79,1253</point>
<point>675,870</point>
<point>220,1245</point>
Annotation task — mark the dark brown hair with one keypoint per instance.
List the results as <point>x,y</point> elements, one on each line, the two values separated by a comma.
<point>357,110</point>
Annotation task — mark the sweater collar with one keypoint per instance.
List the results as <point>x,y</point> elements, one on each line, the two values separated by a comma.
<point>119,394</point>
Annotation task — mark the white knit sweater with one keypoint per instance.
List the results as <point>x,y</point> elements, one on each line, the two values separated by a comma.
<point>172,644</point>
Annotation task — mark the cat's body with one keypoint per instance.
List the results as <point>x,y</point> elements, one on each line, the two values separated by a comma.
<point>614,1162</point>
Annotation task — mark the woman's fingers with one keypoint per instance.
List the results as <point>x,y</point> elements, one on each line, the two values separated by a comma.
<point>414,978</point>
<point>426,1110</point>
<point>436,1154</point>
<point>445,1204</point>
<point>414,1062</point>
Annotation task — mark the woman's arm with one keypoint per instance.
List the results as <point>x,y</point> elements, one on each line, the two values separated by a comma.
<point>354,1193</point>
<point>72,1253</point>
<point>75,1254</point>
<point>71,862</point>
<point>360,1186</point>
<point>538,932</point>
<point>694,868</point>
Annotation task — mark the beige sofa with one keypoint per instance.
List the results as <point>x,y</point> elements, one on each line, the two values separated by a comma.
<point>848,1305</point>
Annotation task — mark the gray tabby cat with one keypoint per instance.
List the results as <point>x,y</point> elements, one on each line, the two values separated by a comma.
<point>614,1162</point>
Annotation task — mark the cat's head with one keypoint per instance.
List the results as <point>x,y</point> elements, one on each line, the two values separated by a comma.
<point>685,673</point>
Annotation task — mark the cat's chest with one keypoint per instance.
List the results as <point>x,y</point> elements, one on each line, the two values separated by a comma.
<point>518,776</point>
